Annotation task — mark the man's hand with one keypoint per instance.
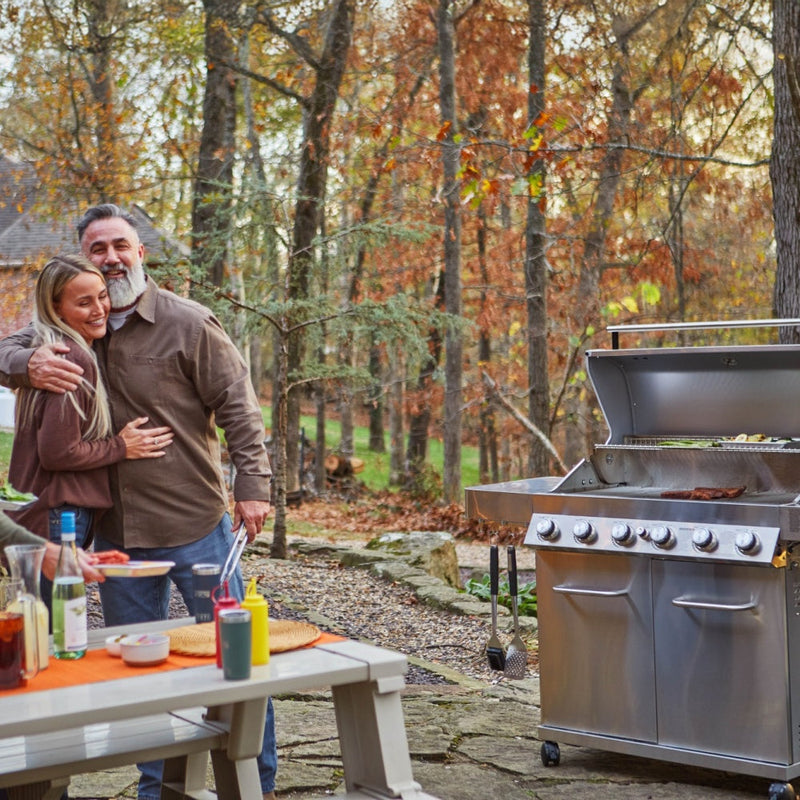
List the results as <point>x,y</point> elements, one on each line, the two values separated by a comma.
<point>254,513</point>
<point>48,370</point>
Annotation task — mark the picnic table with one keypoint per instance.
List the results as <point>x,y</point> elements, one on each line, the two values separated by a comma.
<point>187,713</point>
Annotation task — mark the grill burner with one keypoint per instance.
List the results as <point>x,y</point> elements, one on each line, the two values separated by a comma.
<point>670,628</point>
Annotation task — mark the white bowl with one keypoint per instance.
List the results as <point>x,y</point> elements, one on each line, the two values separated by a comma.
<point>144,650</point>
<point>113,646</point>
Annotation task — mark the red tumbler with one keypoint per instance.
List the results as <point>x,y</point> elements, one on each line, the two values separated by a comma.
<point>220,603</point>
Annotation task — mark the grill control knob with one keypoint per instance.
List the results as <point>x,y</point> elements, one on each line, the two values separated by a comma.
<point>704,539</point>
<point>662,537</point>
<point>547,529</point>
<point>621,533</point>
<point>747,543</point>
<point>583,531</point>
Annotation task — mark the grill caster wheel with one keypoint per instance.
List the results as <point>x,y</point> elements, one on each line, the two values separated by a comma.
<point>782,791</point>
<point>551,757</point>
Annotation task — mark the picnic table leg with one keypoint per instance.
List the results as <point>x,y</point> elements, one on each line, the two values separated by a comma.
<point>372,735</point>
<point>235,769</point>
<point>41,790</point>
<point>186,776</point>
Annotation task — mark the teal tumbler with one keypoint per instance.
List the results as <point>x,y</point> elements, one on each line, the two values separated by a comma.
<point>236,642</point>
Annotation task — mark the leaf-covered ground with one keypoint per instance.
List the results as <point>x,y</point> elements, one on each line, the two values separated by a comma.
<point>372,514</point>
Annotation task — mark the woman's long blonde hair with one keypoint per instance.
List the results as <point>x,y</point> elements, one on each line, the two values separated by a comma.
<point>50,329</point>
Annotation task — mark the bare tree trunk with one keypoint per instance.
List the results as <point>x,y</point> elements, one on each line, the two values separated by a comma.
<point>785,164</point>
<point>487,435</point>
<point>211,203</point>
<point>377,440</point>
<point>419,417</point>
<point>535,263</point>
<point>310,192</point>
<point>102,88</point>
<point>396,382</point>
<point>451,158</point>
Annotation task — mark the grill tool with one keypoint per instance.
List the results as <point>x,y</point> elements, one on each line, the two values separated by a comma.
<point>494,648</point>
<point>235,553</point>
<point>517,654</point>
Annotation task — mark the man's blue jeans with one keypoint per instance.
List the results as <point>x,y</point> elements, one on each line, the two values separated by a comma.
<point>127,601</point>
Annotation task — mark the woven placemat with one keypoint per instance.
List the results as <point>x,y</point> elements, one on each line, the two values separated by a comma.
<point>200,639</point>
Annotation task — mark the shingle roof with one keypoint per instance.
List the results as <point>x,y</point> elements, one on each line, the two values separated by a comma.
<point>27,235</point>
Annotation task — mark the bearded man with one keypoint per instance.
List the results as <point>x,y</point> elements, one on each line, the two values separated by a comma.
<point>166,358</point>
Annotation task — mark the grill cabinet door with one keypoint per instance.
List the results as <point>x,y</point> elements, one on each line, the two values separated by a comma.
<point>596,643</point>
<point>721,659</point>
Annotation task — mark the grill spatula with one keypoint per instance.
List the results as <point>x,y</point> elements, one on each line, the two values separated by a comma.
<point>494,648</point>
<point>517,654</point>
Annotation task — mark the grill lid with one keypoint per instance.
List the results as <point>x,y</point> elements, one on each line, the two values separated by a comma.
<point>698,391</point>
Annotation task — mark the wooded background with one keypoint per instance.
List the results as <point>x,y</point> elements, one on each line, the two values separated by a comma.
<point>429,209</point>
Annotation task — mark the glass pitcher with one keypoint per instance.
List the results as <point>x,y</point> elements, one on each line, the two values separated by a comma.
<point>17,617</point>
<point>25,561</point>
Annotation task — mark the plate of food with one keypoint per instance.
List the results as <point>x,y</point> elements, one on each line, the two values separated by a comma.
<point>12,500</point>
<point>131,569</point>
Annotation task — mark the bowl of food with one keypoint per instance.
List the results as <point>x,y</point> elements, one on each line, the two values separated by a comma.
<point>113,645</point>
<point>144,650</point>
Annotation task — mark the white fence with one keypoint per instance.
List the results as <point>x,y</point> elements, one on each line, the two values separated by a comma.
<point>6,409</point>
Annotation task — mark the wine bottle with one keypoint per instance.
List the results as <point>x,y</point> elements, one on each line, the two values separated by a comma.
<point>69,597</point>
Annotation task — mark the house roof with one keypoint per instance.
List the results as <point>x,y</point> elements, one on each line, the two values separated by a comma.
<point>27,235</point>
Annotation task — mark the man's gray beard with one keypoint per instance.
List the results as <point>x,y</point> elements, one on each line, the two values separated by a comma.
<point>125,291</point>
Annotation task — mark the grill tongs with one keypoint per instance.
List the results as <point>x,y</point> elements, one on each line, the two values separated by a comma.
<point>239,541</point>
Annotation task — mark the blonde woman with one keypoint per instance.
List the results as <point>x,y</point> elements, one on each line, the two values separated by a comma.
<point>64,443</point>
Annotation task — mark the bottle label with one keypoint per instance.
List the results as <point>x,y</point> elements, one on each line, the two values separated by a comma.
<point>75,624</point>
<point>69,615</point>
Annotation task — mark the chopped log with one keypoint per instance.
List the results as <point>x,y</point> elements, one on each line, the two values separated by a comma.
<point>338,466</point>
<point>342,467</point>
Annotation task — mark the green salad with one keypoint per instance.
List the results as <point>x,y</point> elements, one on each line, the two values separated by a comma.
<point>8,492</point>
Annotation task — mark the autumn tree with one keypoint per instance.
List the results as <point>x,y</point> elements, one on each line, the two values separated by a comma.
<point>785,163</point>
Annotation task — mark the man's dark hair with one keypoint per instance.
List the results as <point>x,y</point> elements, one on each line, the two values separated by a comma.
<point>104,211</point>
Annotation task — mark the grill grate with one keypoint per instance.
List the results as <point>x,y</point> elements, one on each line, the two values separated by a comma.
<point>689,442</point>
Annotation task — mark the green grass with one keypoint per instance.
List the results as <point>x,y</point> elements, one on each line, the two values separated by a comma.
<point>376,465</point>
<point>6,440</point>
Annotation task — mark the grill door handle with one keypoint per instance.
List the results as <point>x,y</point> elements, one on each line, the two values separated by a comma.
<point>684,602</point>
<point>591,592</point>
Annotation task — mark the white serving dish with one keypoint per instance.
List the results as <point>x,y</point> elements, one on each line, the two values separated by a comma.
<point>113,645</point>
<point>144,650</point>
<point>135,569</point>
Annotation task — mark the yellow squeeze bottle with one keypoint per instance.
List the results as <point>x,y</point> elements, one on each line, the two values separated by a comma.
<point>256,604</point>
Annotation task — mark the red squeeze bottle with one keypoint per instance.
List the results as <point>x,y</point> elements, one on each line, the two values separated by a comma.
<point>221,603</point>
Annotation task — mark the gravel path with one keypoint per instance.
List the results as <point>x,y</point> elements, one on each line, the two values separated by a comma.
<point>360,605</point>
<point>352,602</point>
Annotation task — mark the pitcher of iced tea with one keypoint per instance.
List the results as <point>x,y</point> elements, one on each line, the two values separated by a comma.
<point>17,614</point>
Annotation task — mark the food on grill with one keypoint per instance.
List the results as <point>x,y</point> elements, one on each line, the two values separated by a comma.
<point>704,493</point>
<point>689,443</point>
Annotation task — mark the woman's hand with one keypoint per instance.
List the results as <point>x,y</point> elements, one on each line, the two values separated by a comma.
<point>145,442</point>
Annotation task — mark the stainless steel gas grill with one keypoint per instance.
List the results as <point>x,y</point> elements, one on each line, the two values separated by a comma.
<point>668,566</point>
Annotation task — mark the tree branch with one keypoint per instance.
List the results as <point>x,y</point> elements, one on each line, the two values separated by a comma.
<point>494,392</point>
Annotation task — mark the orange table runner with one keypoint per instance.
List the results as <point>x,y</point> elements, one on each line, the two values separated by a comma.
<point>98,665</point>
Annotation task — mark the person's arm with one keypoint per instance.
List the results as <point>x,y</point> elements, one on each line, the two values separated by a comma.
<point>12,533</point>
<point>43,368</point>
<point>224,384</point>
